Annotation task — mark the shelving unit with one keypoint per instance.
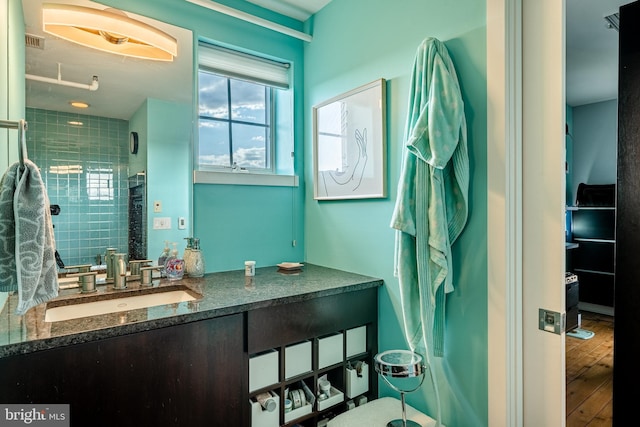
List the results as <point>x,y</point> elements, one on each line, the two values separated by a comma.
<point>292,347</point>
<point>593,229</point>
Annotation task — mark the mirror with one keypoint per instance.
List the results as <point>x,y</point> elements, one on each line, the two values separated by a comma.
<point>86,156</point>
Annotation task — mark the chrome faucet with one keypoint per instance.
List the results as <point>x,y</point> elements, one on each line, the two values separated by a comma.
<point>108,257</point>
<point>147,275</point>
<point>136,265</point>
<point>119,271</point>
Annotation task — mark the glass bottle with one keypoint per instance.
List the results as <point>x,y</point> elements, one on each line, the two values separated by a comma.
<point>195,264</point>
<point>162,259</point>
<point>174,266</point>
<point>187,252</point>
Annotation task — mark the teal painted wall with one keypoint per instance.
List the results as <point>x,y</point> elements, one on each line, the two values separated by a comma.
<point>168,138</point>
<point>355,43</point>
<point>236,223</point>
<point>138,122</point>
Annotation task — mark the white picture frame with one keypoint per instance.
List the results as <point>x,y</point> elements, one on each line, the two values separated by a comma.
<point>349,144</point>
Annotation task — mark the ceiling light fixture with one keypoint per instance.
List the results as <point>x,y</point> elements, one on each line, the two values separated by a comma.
<point>108,30</point>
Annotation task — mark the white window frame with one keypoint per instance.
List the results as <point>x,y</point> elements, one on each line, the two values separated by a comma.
<point>242,66</point>
<point>269,167</point>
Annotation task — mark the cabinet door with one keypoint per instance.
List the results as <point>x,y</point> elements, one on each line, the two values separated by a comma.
<point>185,375</point>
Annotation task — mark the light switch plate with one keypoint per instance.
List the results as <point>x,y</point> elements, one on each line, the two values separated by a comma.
<point>162,223</point>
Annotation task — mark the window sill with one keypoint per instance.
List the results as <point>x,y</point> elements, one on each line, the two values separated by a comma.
<point>244,178</point>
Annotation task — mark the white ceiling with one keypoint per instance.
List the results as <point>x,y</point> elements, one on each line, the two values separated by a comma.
<point>591,68</point>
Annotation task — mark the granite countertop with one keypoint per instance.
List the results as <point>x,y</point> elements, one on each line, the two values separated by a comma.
<point>217,294</point>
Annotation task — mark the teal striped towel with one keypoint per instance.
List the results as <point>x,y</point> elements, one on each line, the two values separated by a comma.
<point>27,249</point>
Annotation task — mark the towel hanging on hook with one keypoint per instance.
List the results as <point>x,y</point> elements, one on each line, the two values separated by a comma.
<point>27,256</point>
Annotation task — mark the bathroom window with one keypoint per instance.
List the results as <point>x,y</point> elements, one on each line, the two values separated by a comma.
<point>100,184</point>
<point>237,108</point>
<point>234,123</point>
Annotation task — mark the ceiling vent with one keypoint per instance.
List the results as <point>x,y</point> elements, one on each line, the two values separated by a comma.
<point>613,21</point>
<point>34,41</point>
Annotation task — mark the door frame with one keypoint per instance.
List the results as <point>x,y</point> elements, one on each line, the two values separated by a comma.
<point>526,201</point>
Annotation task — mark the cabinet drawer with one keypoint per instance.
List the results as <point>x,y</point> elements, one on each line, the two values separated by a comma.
<point>356,341</point>
<point>263,370</point>
<point>261,417</point>
<point>297,359</point>
<point>330,350</point>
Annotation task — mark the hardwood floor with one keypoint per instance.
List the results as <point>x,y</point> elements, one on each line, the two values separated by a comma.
<point>590,374</point>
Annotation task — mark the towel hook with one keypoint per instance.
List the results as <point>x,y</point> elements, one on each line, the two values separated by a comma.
<point>21,126</point>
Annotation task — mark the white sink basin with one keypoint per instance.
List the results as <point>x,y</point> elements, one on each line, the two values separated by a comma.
<point>115,305</point>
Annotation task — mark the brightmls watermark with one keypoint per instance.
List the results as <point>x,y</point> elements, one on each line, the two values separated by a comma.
<point>37,415</point>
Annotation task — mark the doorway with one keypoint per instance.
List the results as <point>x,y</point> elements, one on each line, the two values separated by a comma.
<point>592,138</point>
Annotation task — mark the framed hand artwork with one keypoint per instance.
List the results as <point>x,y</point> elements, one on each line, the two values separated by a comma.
<point>349,144</point>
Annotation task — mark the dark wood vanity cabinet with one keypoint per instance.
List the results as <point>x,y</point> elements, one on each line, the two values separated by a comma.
<point>184,375</point>
<point>191,374</point>
<point>316,322</point>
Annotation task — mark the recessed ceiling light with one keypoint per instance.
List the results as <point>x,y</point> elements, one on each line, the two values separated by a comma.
<point>75,123</point>
<point>108,30</point>
<point>79,104</point>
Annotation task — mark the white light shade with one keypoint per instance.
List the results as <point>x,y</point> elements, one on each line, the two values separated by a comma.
<point>84,25</point>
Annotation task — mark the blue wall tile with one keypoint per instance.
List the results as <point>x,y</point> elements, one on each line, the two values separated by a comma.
<point>85,169</point>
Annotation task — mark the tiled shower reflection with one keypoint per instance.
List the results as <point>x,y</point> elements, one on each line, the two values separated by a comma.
<point>84,164</point>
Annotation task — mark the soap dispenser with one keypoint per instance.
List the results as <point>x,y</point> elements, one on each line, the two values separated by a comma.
<point>174,266</point>
<point>164,255</point>
<point>195,264</point>
<point>187,252</point>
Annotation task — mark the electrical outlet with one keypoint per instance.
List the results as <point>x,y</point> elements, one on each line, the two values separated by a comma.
<point>157,206</point>
<point>182,223</point>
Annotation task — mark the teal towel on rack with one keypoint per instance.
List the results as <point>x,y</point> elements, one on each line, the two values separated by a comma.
<point>27,251</point>
<point>432,200</point>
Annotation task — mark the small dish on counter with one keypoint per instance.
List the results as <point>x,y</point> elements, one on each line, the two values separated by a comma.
<point>290,266</point>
